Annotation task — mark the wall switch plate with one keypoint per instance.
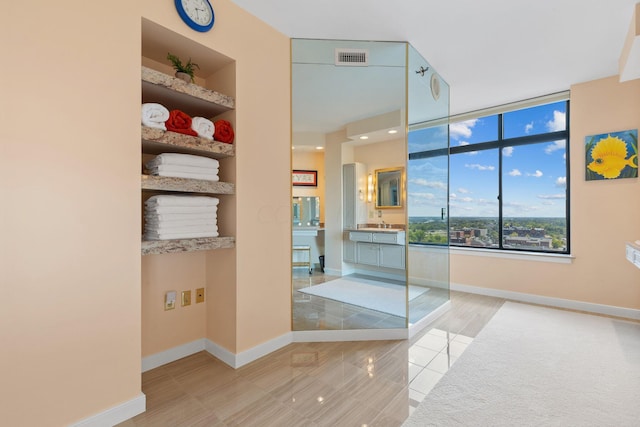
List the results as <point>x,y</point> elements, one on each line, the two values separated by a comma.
<point>186,298</point>
<point>199,295</point>
<point>170,300</point>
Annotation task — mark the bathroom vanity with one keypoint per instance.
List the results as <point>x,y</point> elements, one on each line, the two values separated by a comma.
<point>377,247</point>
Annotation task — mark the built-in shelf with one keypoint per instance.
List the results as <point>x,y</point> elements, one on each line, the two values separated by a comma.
<point>186,185</point>
<point>633,252</point>
<point>156,247</point>
<point>158,141</point>
<point>174,93</point>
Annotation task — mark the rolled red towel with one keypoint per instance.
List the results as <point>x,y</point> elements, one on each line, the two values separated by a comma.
<point>180,122</point>
<point>223,132</point>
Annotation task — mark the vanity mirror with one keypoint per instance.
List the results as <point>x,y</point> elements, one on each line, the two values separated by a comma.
<point>306,211</point>
<point>389,188</point>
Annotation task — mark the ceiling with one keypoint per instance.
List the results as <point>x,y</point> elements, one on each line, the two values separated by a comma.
<point>490,52</point>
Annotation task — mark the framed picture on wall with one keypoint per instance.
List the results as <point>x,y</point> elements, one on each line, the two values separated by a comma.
<point>305,178</point>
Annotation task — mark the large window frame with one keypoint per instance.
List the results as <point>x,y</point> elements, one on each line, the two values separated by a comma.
<point>501,143</point>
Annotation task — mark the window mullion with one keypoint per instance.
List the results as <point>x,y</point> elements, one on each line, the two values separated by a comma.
<point>500,148</point>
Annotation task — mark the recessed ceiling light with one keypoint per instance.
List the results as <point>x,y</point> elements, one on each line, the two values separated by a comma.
<point>364,137</point>
<point>319,148</point>
<point>392,131</point>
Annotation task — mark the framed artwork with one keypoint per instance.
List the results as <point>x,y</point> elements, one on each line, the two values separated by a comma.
<point>611,155</point>
<point>305,178</point>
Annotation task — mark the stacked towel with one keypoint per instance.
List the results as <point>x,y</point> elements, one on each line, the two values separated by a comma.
<point>180,217</point>
<point>184,166</point>
<point>204,127</point>
<point>154,115</point>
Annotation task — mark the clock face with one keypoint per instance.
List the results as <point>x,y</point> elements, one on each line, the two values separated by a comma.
<point>198,14</point>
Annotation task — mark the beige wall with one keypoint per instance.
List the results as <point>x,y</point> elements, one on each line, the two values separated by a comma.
<point>70,190</point>
<point>604,214</point>
<point>70,187</point>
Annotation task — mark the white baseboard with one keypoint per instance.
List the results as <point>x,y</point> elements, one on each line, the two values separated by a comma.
<point>248,356</point>
<point>172,354</point>
<point>350,335</point>
<point>117,414</point>
<point>609,310</point>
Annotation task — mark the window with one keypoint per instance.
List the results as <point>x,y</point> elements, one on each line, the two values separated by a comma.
<point>508,184</point>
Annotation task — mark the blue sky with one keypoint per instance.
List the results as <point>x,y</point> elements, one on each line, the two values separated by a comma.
<point>534,177</point>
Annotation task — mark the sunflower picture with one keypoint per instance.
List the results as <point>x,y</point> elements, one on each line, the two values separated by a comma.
<point>612,155</point>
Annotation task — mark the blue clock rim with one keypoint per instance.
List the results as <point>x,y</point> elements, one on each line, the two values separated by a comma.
<point>190,22</point>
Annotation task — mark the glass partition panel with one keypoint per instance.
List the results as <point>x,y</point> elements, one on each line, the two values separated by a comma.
<point>427,188</point>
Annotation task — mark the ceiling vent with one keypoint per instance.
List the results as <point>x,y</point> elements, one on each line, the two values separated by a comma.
<point>352,57</point>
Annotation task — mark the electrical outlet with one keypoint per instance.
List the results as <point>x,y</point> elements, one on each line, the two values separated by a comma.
<point>199,295</point>
<point>170,300</point>
<point>186,298</point>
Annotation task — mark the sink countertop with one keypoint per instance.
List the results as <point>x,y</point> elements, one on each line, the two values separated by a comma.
<point>378,230</point>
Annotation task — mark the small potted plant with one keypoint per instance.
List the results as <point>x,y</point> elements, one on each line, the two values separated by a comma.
<point>183,71</point>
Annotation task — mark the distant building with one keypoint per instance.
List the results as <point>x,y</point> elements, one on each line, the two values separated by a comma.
<point>527,242</point>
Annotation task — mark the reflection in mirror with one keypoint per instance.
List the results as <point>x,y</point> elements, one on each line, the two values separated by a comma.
<point>306,211</point>
<point>389,188</point>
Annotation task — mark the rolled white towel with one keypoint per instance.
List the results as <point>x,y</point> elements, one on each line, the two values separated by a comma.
<point>206,222</point>
<point>204,127</point>
<point>154,115</point>
<point>182,159</point>
<point>184,229</point>
<point>184,169</point>
<point>170,200</point>
<point>151,210</point>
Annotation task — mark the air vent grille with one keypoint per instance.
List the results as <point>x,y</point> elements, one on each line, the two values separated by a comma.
<point>352,57</point>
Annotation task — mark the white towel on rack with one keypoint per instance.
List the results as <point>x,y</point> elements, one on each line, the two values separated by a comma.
<point>171,200</point>
<point>204,127</point>
<point>183,159</point>
<point>154,115</point>
<point>182,229</point>
<point>155,222</point>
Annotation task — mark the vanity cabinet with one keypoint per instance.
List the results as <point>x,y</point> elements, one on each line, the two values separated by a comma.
<point>195,101</point>
<point>375,248</point>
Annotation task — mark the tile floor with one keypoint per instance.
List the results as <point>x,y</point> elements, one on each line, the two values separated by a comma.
<point>373,383</point>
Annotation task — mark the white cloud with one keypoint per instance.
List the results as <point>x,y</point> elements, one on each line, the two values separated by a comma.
<point>552,196</point>
<point>507,151</point>
<point>425,196</point>
<point>430,184</point>
<point>480,167</point>
<point>528,127</point>
<point>561,182</point>
<point>555,146</point>
<point>470,153</point>
<point>536,174</point>
<point>463,191</point>
<point>466,199</point>
<point>462,129</point>
<point>515,172</point>
<point>558,123</point>
<point>453,196</point>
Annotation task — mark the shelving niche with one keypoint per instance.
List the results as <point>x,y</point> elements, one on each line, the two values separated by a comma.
<point>195,101</point>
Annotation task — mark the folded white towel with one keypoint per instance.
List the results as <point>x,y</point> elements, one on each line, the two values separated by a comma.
<point>171,236</point>
<point>189,175</point>
<point>155,222</point>
<point>184,169</point>
<point>154,115</point>
<point>183,229</point>
<point>183,159</point>
<point>169,217</point>
<point>170,200</point>
<point>211,210</point>
<point>204,127</point>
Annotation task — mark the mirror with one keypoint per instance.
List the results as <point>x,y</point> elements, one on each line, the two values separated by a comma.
<point>306,211</point>
<point>389,189</point>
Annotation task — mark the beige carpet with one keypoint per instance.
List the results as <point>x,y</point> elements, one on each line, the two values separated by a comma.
<point>534,366</point>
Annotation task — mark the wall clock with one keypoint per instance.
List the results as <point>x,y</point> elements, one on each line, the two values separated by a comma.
<point>197,14</point>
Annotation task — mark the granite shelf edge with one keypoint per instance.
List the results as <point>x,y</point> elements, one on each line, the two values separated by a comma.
<point>174,184</point>
<point>158,78</point>
<point>156,247</point>
<point>156,141</point>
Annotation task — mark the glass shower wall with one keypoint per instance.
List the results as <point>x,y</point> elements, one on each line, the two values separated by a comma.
<point>427,188</point>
